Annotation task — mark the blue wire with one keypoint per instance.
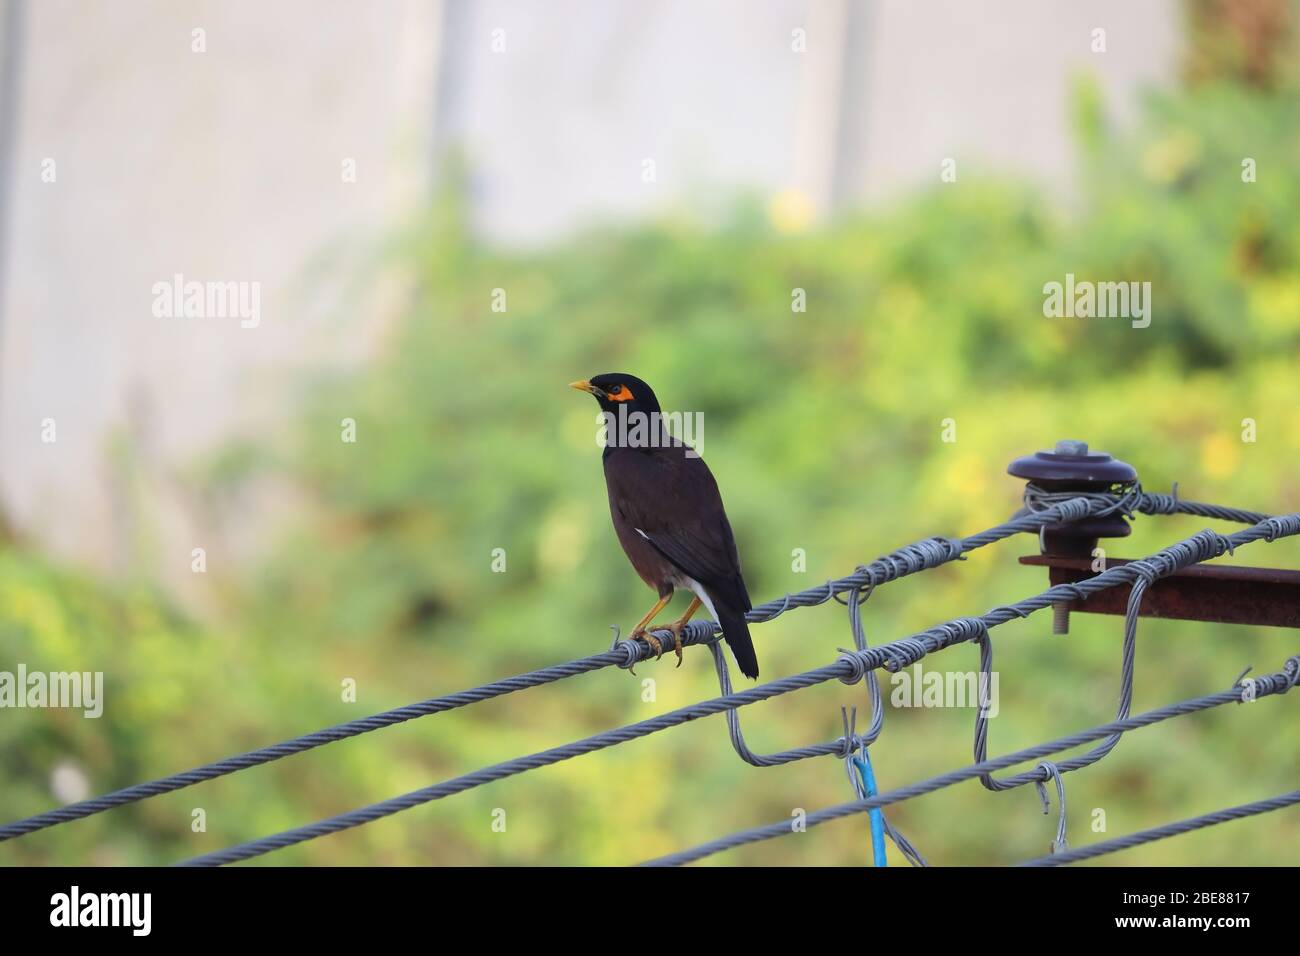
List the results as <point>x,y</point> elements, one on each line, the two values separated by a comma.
<point>876,814</point>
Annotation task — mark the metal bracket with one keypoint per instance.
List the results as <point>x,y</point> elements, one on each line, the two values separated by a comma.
<point>1223,594</point>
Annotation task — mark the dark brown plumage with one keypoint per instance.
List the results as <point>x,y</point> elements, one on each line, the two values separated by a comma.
<point>668,516</point>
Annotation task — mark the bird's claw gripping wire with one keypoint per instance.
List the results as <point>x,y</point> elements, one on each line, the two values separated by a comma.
<point>679,625</point>
<point>655,644</point>
<point>676,629</point>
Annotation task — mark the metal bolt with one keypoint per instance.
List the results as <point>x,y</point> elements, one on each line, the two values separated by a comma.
<point>1060,617</point>
<point>1068,446</point>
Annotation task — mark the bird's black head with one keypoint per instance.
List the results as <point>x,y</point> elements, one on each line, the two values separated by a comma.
<point>618,392</point>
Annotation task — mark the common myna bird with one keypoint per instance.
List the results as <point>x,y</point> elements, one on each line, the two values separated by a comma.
<point>669,517</point>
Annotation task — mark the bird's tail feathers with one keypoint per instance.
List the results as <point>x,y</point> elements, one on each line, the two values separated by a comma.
<point>735,630</point>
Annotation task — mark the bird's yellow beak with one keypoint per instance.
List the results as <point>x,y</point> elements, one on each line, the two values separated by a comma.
<point>586,386</point>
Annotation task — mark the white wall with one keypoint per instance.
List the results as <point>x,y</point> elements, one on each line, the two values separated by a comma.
<point>222,165</point>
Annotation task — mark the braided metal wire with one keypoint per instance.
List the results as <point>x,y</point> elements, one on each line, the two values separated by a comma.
<point>1264,686</point>
<point>1041,509</point>
<point>1168,830</point>
<point>850,668</point>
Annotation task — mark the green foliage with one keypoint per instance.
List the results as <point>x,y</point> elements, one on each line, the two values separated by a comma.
<point>824,431</point>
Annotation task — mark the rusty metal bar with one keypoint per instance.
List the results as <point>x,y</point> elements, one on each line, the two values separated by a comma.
<point>1215,593</point>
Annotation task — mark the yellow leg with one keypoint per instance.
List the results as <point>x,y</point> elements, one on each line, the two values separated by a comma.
<point>640,629</point>
<point>677,625</point>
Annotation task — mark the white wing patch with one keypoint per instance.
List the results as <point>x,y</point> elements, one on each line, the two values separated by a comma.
<point>680,579</point>
<point>700,593</point>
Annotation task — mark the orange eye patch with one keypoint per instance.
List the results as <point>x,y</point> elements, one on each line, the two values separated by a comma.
<point>620,393</point>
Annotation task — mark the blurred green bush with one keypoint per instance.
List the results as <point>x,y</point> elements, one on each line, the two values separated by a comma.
<point>824,429</point>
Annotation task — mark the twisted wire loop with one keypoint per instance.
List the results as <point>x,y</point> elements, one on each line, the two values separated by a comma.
<point>627,648</point>
<point>849,744</point>
<point>1121,497</point>
<point>738,738</point>
<point>1276,685</point>
<point>1053,773</point>
<point>1142,573</point>
<point>859,586</point>
<point>984,700</point>
<point>905,846</point>
<point>870,679</point>
<point>1128,498</point>
<point>853,742</point>
<point>1280,526</point>
<point>1168,830</point>
<point>1253,687</point>
<point>857,596</point>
